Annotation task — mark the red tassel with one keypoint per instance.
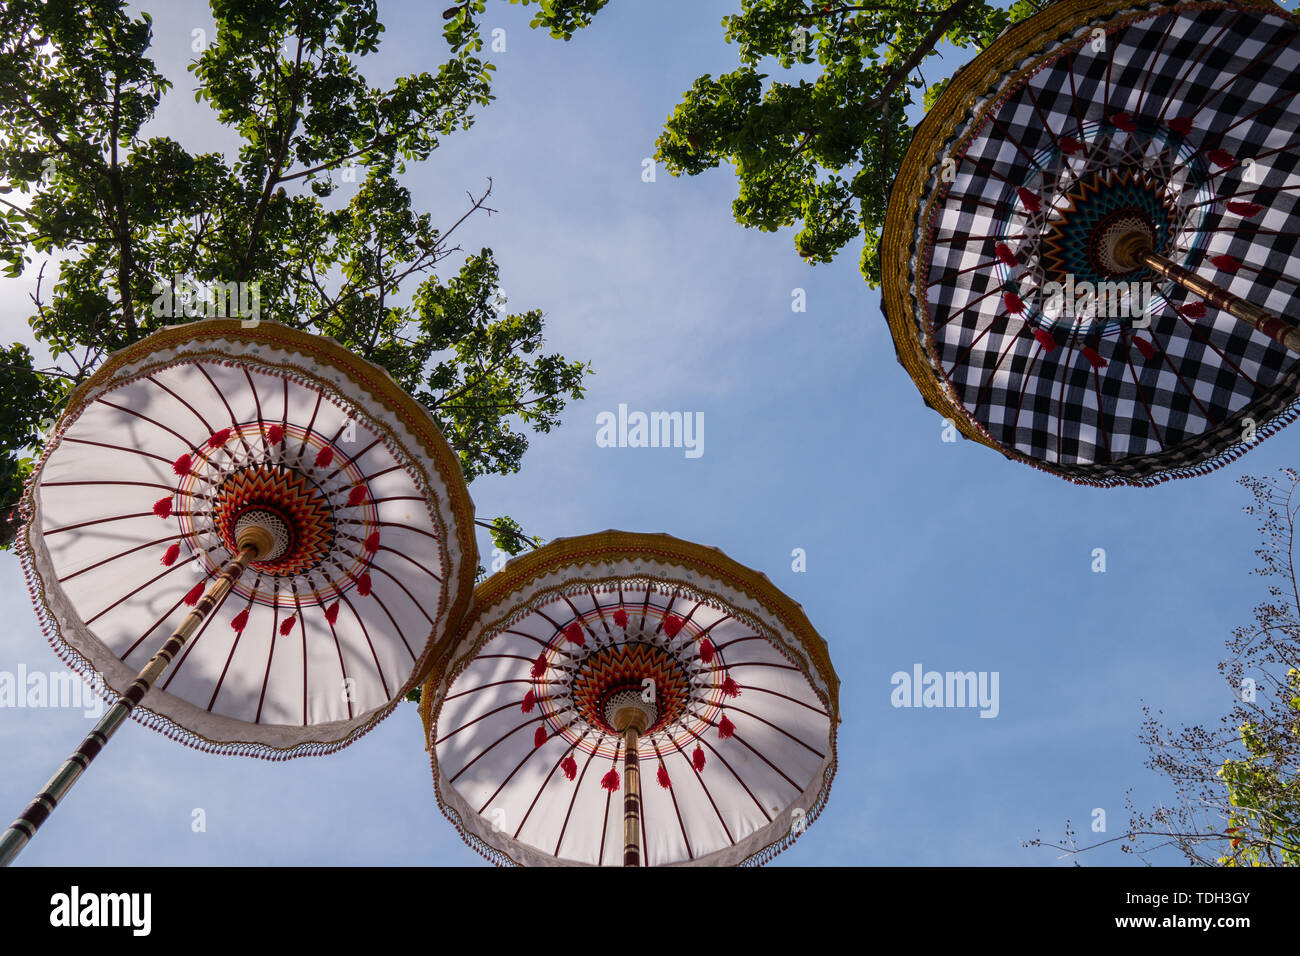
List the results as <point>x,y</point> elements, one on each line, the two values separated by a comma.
<point>706,651</point>
<point>1029,199</point>
<point>196,592</point>
<point>730,688</point>
<point>725,728</point>
<point>182,465</point>
<point>275,434</point>
<point>1015,305</point>
<point>172,553</point>
<point>1226,263</point>
<point>1221,158</point>
<point>569,766</point>
<point>663,777</point>
<point>574,633</point>
<point>1006,255</point>
<point>363,584</point>
<point>163,507</point>
<point>1070,145</point>
<point>610,781</point>
<point>1045,340</point>
<point>620,617</point>
<point>1181,125</point>
<point>324,457</point>
<point>1123,121</point>
<point>1094,359</point>
<point>1146,348</point>
<point>697,758</point>
<point>372,542</point>
<point>287,625</point>
<point>219,438</point>
<point>240,622</point>
<point>332,613</point>
<point>673,625</point>
<point>1247,209</point>
<point>539,737</point>
<point>539,665</point>
<point>1195,310</point>
<point>529,700</point>
<point>356,495</point>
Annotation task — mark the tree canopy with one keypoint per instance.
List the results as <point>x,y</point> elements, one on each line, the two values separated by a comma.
<point>309,210</point>
<point>814,120</point>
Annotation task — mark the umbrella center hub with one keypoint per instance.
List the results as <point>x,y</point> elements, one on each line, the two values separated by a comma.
<point>1091,223</point>
<point>636,681</point>
<point>284,502</point>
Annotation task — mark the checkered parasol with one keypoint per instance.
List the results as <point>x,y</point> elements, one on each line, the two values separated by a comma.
<point>1091,245</point>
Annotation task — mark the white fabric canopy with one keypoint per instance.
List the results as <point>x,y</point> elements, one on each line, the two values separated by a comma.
<point>133,506</point>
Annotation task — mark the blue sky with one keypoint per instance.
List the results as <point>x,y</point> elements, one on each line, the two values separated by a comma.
<point>918,551</point>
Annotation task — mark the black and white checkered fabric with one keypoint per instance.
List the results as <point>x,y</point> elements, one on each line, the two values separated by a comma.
<point>1201,95</point>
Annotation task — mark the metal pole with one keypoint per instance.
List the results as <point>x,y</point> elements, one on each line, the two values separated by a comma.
<point>39,810</point>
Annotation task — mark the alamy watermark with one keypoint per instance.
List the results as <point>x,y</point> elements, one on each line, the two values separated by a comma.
<point>651,430</point>
<point>946,689</point>
<point>192,299</point>
<point>58,689</point>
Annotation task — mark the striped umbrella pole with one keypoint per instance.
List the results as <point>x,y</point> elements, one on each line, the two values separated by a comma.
<point>631,798</point>
<point>253,541</point>
<point>1135,250</point>
<point>631,720</point>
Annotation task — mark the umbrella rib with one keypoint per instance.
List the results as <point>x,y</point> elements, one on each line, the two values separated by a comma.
<point>519,765</point>
<point>703,786</point>
<point>1203,336</point>
<point>311,424</point>
<point>229,411</point>
<point>140,415</point>
<point>120,554</point>
<point>1150,70</point>
<point>1203,103</point>
<point>164,573</point>
<point>257,402</point>
<point>270,656</point>
<point>986,383</point>
<point>577,788</point>
<point>1137,387</point>
<point>964,354</point>
<point>203,421</point>
<point>714,750</point>
<point>343,667</point>
<point>1257,189</point>
<point>353,461</point>
<point>193,642</point>
<point>140,640</point>
<point>126,448</point>
<point>690,855</point>
<point>752,749</point>
<point>302,629</point>
<point>778,729</point>
<point>405,590</point>
<point>1200,57</point>
<point>600,612</point>
<point>365,632</point>
<point>492,746</point>
<point>1102,427</point>
<point>668,609</point>
<point>537,796</point>
<point>495,683</point>
<point>397,628</point>
<point>609,794</point>
<point>496,710</point>
<point>793,700</point>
